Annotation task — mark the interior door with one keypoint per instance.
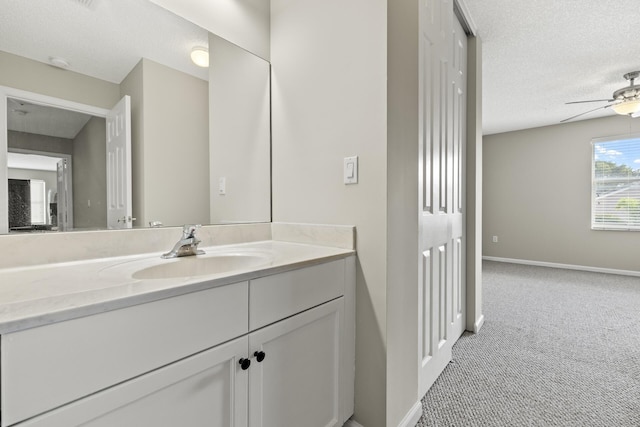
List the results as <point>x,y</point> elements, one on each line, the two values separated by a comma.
<point>119,210</point>
<point>441,195</point>
<point>457,302</point>
<point>65,195</point>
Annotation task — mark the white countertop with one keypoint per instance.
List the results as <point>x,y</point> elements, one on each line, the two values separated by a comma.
<point>42,294</point>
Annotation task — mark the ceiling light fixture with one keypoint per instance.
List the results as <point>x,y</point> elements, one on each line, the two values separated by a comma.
<point>58,62</point>
<point>200,56</point>
<point>627,108</point>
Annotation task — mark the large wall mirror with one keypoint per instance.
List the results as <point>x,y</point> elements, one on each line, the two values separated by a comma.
<point>200,136</point>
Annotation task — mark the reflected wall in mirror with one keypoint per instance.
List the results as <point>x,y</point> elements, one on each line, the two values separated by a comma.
<point>143,52</point>
<point>240,134</point>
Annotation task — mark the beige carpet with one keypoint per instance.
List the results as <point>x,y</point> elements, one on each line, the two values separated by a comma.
<point>558,348</point>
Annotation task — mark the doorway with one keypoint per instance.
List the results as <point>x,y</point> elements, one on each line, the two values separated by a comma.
<point>38,127</point>
<point>34,189</point>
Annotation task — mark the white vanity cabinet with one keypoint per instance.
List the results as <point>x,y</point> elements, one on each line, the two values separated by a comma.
<point>47,367</point>
<point>298,381</point>
<point>307,375</point>
<point>208,389</point>
<point>177,361</point>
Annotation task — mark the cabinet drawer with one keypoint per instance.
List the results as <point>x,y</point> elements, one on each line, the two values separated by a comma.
<point>275,297</point>
<point>45,367</point>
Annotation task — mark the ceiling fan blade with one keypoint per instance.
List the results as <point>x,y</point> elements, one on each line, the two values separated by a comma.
<point>586,112</point>
<point>591,100</point>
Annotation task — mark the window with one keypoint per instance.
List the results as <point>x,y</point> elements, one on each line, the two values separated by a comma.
<point>615,185</point>
<point>38,205</point>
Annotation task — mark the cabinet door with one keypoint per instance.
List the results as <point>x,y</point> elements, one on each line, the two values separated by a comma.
<point>297,382</point>
<point>207,389</point>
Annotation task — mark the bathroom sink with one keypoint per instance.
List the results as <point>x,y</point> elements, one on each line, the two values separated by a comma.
<point>202,265</point>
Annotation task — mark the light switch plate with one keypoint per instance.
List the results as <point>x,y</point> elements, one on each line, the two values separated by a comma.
<point>351,170</point>
<point>222,186</point>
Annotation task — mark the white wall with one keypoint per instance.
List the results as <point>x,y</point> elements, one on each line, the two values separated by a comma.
<point>537,196</point>
<point>176,146</point>
<point>474,197</point>
<point>329,101</point>
<point>90,176</point>
<point>239,134</point>
<point>402,209</point>
<point>26,74</point>
<point>35,142</point>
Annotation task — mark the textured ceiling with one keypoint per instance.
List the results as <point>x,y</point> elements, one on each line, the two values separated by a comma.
<point>539,54</point>
<point>43,120</point>
<point>105,40</point>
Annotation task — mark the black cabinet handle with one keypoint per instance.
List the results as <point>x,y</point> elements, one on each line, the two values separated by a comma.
<point>244,363</point>
<point>259,355</point>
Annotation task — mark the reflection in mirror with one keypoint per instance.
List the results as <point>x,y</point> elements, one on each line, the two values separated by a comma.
<point>143,52</point>
<point>33,192</point>
<point>239,117</point>
<point>47,147</point>
<point>69,140</point>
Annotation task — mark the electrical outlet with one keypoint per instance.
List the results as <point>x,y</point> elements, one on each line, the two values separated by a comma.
<point>495,239</point>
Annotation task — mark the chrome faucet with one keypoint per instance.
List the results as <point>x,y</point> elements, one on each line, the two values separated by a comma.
<point>188,245</point>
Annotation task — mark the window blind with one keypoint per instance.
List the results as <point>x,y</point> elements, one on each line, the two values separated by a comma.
<point>615,185</point>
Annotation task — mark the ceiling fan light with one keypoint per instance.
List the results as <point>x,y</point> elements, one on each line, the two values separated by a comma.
<point>627,108</point>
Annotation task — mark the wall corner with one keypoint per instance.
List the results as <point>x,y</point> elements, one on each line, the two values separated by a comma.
<point>474,185</point>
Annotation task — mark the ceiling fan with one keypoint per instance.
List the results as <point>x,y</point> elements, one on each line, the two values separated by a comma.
<point>625,101</point>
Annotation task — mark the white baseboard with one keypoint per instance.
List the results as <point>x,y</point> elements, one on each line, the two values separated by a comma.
<point>351,423</point>
<point>564,266</point>
<point>478,324</point>
<point>409,420</point>
<point>412,417</point>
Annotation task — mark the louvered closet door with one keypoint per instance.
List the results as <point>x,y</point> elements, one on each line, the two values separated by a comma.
<point>441,196</point>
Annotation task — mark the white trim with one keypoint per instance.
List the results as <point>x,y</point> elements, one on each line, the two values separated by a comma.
<point>464,16</point>
<point>412,417</point>
<point>564,266</point>
<point>51,101</point>
<point>478,324</point>
<point>351,423</point>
